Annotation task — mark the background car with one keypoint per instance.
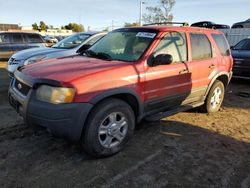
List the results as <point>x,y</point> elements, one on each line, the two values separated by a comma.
<point>211,25</point>
<point>66,47</point>
<point>241,55</point>
<point>12,42</point>
<point>50,39</point>
<point>244,24</point>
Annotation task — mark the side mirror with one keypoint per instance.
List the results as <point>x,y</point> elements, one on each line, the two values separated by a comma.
<point>83,48</point>
<point>161,59</point>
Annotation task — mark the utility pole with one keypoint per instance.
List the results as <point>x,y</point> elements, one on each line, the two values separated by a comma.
<point>112,26</point>
<point>140,18</point>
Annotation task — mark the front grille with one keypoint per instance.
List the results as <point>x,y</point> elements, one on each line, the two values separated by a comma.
<point>21,87</point>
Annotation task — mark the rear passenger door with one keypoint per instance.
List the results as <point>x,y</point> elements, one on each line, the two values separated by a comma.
<point>18,43</point>
<point>201,65</point>
<point>5,48</point>
<point>168,86</point>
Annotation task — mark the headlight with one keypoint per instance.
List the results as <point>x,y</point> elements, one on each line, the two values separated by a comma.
<point>34,59</point>
<point>55,95</point>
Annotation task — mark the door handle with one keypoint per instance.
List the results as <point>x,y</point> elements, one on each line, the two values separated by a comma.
<point>212,66</point>
<point>184,71</point>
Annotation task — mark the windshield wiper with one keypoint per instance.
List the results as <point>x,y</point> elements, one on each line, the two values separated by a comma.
<point>100,55</point>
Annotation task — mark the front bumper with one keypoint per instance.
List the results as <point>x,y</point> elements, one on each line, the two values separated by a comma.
<point>65,120</point>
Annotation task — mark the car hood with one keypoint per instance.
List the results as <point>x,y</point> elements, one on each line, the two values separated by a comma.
<point>26,54</point>
<point>67,69</point>
<point>241,54</point>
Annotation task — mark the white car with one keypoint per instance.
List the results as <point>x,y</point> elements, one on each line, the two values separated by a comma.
<point>66,47</point>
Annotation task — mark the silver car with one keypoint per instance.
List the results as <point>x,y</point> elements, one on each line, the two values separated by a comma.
<point>66,47</point>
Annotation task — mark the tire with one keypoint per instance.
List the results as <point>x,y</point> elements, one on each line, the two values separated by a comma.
<point>214,98</point>
<point>108,129</point>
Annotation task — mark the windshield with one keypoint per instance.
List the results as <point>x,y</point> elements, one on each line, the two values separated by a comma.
<point>123,45</point>
<point>243,45</point>
<point>71,41</point>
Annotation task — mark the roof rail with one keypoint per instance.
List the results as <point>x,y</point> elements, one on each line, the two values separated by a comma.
<point>168,23</point>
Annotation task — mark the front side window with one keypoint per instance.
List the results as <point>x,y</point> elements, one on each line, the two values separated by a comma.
<point>34,38</point>
<point>222,44</point>
<point>173,43</point>
<point>201,47</point>
<point>71,41</point>
<point>124,45</point>
<point>94,40</point>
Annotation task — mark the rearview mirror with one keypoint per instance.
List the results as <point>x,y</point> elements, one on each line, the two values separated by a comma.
<point>161,59</point>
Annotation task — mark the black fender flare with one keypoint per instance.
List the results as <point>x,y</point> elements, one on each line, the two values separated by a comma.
<point>228,74</point>
<point>120,91</point>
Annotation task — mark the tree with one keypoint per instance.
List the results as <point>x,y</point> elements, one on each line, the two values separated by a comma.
<point>106,29</point>
<point>74,27</point>
<point>131,24</point>
<point>35,26</point>
<point>160,13</point>
<point>43,26</point>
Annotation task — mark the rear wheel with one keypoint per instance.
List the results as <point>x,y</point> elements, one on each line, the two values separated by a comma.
<point>215,97</point>
<point>109,127</point>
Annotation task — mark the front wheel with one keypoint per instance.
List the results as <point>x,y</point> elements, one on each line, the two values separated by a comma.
<point>215,97</point>
<point>109,127</point>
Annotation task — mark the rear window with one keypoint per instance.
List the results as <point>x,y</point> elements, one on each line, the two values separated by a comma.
<point>201,47</point>
<point>222,44</point>
<point>4,38</point>
<point>34,38</point>
<point>17,38</point>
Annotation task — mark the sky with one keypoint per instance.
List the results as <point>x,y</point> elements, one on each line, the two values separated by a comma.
<point>98,14</point>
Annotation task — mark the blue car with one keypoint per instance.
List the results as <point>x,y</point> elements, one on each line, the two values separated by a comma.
<point>12,42</point>
<point>241,55</point>
<point>66,47</point>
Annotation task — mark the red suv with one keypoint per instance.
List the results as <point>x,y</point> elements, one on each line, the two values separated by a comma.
<point>131,74</point>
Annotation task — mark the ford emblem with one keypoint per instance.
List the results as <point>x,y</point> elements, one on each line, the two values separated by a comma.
<point>19,86</point>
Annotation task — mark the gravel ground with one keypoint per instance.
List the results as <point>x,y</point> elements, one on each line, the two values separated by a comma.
<point>189,149</point>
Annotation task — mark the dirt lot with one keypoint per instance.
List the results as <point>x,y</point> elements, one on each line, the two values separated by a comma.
<point>190,149</point>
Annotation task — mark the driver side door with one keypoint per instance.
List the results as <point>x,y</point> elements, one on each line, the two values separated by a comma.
<point>169,85</point>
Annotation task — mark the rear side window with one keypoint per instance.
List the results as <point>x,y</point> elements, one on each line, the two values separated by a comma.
<point>174,44</point>
<point>222,44</point>
<point>4,38</point>
<point>34,38</point>
<point>201,47</point>
<point>17,38</point>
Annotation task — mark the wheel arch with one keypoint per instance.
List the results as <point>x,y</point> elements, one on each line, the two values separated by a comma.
<point>125,94</point>
<point>224,77</point>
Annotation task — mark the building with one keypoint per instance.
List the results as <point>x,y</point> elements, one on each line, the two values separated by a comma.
<point>7,27</point>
